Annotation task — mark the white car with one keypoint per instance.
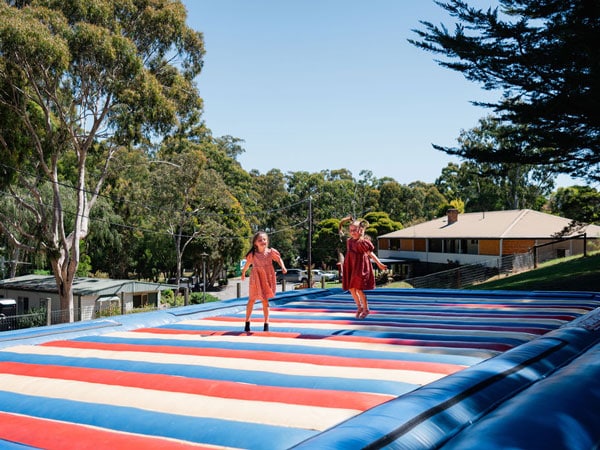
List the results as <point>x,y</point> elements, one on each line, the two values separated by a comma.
<point>318,275</point>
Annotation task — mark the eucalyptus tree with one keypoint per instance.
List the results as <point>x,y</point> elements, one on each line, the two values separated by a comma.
<point>579,203</point>
<point>411,203</point>
<point>273,211</point>
<point>233,211</point>
<point>391,195</point>
<point>117,241</point>
<point>327,245</point>
<point>177,190</point>
<point>380,223</point>
<point>86,79</point>
<point>499,185</point>
<point>335,196</point>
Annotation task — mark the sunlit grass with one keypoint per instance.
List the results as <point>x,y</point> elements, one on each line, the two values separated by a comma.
<point>576,273</point>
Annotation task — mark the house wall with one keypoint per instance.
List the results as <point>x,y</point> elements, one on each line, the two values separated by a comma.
<point>86,305</point>
<point>489,247</point>
<point>440,258</point>
<point>28,300</point>
<point>514,246</point>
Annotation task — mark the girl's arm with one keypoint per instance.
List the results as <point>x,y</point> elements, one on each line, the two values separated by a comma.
<point>374,257</point>
<point>278,260</point>
<point>342,223</point>
<point>246,266</point>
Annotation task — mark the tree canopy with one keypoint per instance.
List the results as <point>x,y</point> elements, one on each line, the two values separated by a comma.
<point>80,82</point>
<point>544,58</point>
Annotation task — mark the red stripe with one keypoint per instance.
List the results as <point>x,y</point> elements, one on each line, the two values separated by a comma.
<point>213,388</point>
<point>424,325</point>
<point>50,434</point>
<point>261,355</point>
<point>496,346</point>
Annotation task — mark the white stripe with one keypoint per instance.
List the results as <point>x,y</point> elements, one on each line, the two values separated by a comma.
<point>317,343</point>
<point>262,412</point>
<point>276,367</point>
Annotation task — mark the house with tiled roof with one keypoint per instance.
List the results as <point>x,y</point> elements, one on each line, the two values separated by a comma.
<point>485,238</point>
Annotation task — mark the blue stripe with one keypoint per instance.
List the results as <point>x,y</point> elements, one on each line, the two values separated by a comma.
<point>139,421</point>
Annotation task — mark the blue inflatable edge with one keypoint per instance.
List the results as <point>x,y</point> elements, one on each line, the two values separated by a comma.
<point>431,415</point>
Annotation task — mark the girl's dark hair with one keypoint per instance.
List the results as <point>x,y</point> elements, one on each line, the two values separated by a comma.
<point>254,238</point>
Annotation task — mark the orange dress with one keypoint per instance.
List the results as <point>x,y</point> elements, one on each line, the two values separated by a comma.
<point>358,270</point>
<point>263,284</point>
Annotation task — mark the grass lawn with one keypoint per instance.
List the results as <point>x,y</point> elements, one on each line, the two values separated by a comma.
<point>575,273</point>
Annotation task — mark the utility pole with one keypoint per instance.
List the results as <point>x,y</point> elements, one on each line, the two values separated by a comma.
<point>204,255</point>
<point>309,241</point>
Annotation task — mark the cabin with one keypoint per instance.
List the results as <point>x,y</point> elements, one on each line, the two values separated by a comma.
<point>92,297</point>
<point>484,238</point>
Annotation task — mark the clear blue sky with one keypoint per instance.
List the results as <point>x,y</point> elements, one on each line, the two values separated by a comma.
<point>311,85</point>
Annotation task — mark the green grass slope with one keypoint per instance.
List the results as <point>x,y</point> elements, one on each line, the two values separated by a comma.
<point>573,274</point>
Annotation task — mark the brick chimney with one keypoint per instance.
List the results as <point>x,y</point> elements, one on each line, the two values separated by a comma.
<point>452,216</point>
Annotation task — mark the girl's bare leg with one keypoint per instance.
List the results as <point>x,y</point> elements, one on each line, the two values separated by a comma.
<point>249,308</point>
<point>356,296</point>
<point>364,304</point>
<point>265,306</point>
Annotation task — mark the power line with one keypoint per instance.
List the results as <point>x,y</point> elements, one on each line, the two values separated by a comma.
<point>149,230</point>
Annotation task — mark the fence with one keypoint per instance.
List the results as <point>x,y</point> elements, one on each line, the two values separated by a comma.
<point>21,321</point>
<point>471,274</point>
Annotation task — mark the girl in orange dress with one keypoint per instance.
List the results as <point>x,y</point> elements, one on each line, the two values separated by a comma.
<point>357,275</point>
<point>263,284</point>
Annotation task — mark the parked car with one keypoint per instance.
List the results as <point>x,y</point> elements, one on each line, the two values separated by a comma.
<point>318,275</point>
<point>292,276</point>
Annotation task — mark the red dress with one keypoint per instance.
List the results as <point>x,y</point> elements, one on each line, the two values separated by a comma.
<point>263,284</point>
<point>358,271</point>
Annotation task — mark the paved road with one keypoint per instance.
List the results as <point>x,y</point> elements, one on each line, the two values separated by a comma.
<point>231,289</point>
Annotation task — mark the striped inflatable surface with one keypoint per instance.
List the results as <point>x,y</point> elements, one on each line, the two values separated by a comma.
<point>191,378</point>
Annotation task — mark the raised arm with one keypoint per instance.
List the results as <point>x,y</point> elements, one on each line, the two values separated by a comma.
<point>342,223</point>
<point>246,266</point>
<point>374,257</point>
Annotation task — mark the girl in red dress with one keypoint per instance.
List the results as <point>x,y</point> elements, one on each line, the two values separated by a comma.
<point>263,284</point>
<point>357,274</point>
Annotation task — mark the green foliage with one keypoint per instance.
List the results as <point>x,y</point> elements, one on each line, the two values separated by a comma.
<point>86,78</point>
<point>484,186</point>
<point>579,203</point>
<point>571,274</point>
<point>326,244</point>
<point>197,298</point>
<point>543,57</point>
<point>155,191</point>
<point>380,223</point>
<point>36,317</point>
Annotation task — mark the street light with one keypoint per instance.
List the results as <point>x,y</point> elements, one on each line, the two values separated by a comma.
<point>204,255</point>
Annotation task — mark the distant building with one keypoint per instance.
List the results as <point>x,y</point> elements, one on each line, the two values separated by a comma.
<point>483,238</point>
<point>90,295</point>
